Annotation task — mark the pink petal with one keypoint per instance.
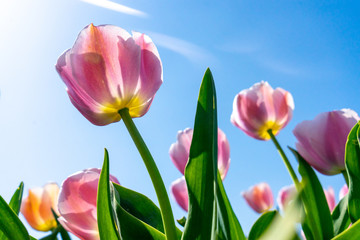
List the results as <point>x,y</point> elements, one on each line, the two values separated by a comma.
<point>330,198</point>
<point>179,151</point>
<point>223,154</point>
<point>259,197</point>
<point>343,191</point>
<point>285,195</point>
<point>180,193</point>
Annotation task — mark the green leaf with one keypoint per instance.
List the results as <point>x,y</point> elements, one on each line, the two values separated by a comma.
<point>182,221</point>
<point>201,168</point>
<point>227,226</point>
<point>351,233</point>
<point>15,202</point>
<point>340,216</point>
<point>352,163</point>
<point>262,224</point>
<point>317,213</point>
<point>140,206</point>
<point>10,224</point>
<point>107,221</point>
<point>64,234</point>
<point>51,236</point>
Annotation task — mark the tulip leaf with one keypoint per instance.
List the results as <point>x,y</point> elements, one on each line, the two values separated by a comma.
<point>182,221</point>
<point>202,165</point>
<point>10,224</point>
<point>340,216</point>
<point>140,206</point>
<point>133,228</point>
<point>227,226</point>
<point>106,216</point>
<point>318,218</point>
<point>15,202</point>
<point>262,224</point>
<point>64,234</point>
<point>352,163</point>
<point>351,233</point>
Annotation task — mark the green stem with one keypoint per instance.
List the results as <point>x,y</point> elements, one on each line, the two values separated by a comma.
<point>166,212</point>
<point>346,177</point>
<point>285,159</point>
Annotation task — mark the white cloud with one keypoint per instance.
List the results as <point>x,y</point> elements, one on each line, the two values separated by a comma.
<point>189,50</point>
<point>116,7</point>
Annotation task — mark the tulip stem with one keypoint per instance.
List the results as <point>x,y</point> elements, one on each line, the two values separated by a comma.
<point>346,177</point>
<point>285,159</point>
<point>162,196</point>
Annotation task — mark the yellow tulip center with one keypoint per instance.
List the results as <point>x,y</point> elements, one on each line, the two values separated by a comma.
<point>262,132</point>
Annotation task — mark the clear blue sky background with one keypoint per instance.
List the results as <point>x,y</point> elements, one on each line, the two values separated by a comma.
<point>310,48</point>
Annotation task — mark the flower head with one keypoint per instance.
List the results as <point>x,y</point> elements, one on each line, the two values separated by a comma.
<point>180,192</point>
<point>259,197</point>
<point>321,141</point>
<point>285,196</point>
<point>107,70</point>
<point>77,203</point>
<point>36,207</point>
<point>179,151</point>
<point>330,198</point>
<point>260,108</point>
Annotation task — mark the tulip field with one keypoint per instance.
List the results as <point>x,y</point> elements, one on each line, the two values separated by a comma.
<point>239,140</point>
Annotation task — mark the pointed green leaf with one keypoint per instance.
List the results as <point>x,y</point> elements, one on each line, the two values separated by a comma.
<point>10,224</point>
<point>340,216</point>
<point>262,224</point>
<point>202,165</point>
<point>227,225</point>
<point>15,202</point>
<point>182,221</point>
<point>318,218</point>
<point>351,233</point>
<point>64,234</point>
<point>352,163</point>
<point>107,221</point>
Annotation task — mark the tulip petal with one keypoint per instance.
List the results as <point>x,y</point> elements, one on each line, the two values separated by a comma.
<point>223,154</point>
<point>180,192</point>
<point>179,151</point>
<point>259,197</point>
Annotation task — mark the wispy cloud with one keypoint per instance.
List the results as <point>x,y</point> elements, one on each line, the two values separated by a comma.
<point>116,7</point>
<point>279,66</point>
<point>189,50</point>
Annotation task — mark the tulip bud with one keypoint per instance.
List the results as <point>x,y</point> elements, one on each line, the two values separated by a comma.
<point>321,142</point>
<point>343,191</point>
<point>261,108</point>
<point>179,151</point>
<point>77,203</point>
<point>36,207</point>
<point>330,198</point>
<point>107,70</point>
<point>259,197</point>
<point>180,193</point>
<point>285,196</point>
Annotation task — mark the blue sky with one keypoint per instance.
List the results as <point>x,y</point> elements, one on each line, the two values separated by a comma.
<point>310,48</point>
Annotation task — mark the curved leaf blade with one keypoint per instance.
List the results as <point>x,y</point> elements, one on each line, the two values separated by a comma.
<point>318,218</point>
<point>351,233</point>
<point>340,216</point>
<point>262,224</point>
<point>107,221</point>
<point>352,164</point>
<point>10,224</point>
<point>201,168</point>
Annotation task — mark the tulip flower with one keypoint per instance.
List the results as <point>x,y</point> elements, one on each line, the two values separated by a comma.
<point>259,197</point>
<point>179,151</point>
<point>77,203</point>
<point>285,195</point>
<point>36,207</point>
<point>330,198</point>
<point>107,70</point>
<point>261,108</point>
<point>321,142</point>
<point>180,192</point>
<point>343,191</point>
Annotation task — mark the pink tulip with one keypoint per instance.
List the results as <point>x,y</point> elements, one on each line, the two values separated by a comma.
<point>321,142</point>
<point>260,108</point>
<point>179,151</point>
<point>36,207</point>
<point>180,193</point>
<point>330,198</point>
<point>285,195</point>
<point>107,70</point>
<point>343,191</point>
<point>259,197</point>
<point>77,203</point>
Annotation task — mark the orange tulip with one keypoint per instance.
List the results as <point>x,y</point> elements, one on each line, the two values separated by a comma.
<point>36,207</point>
